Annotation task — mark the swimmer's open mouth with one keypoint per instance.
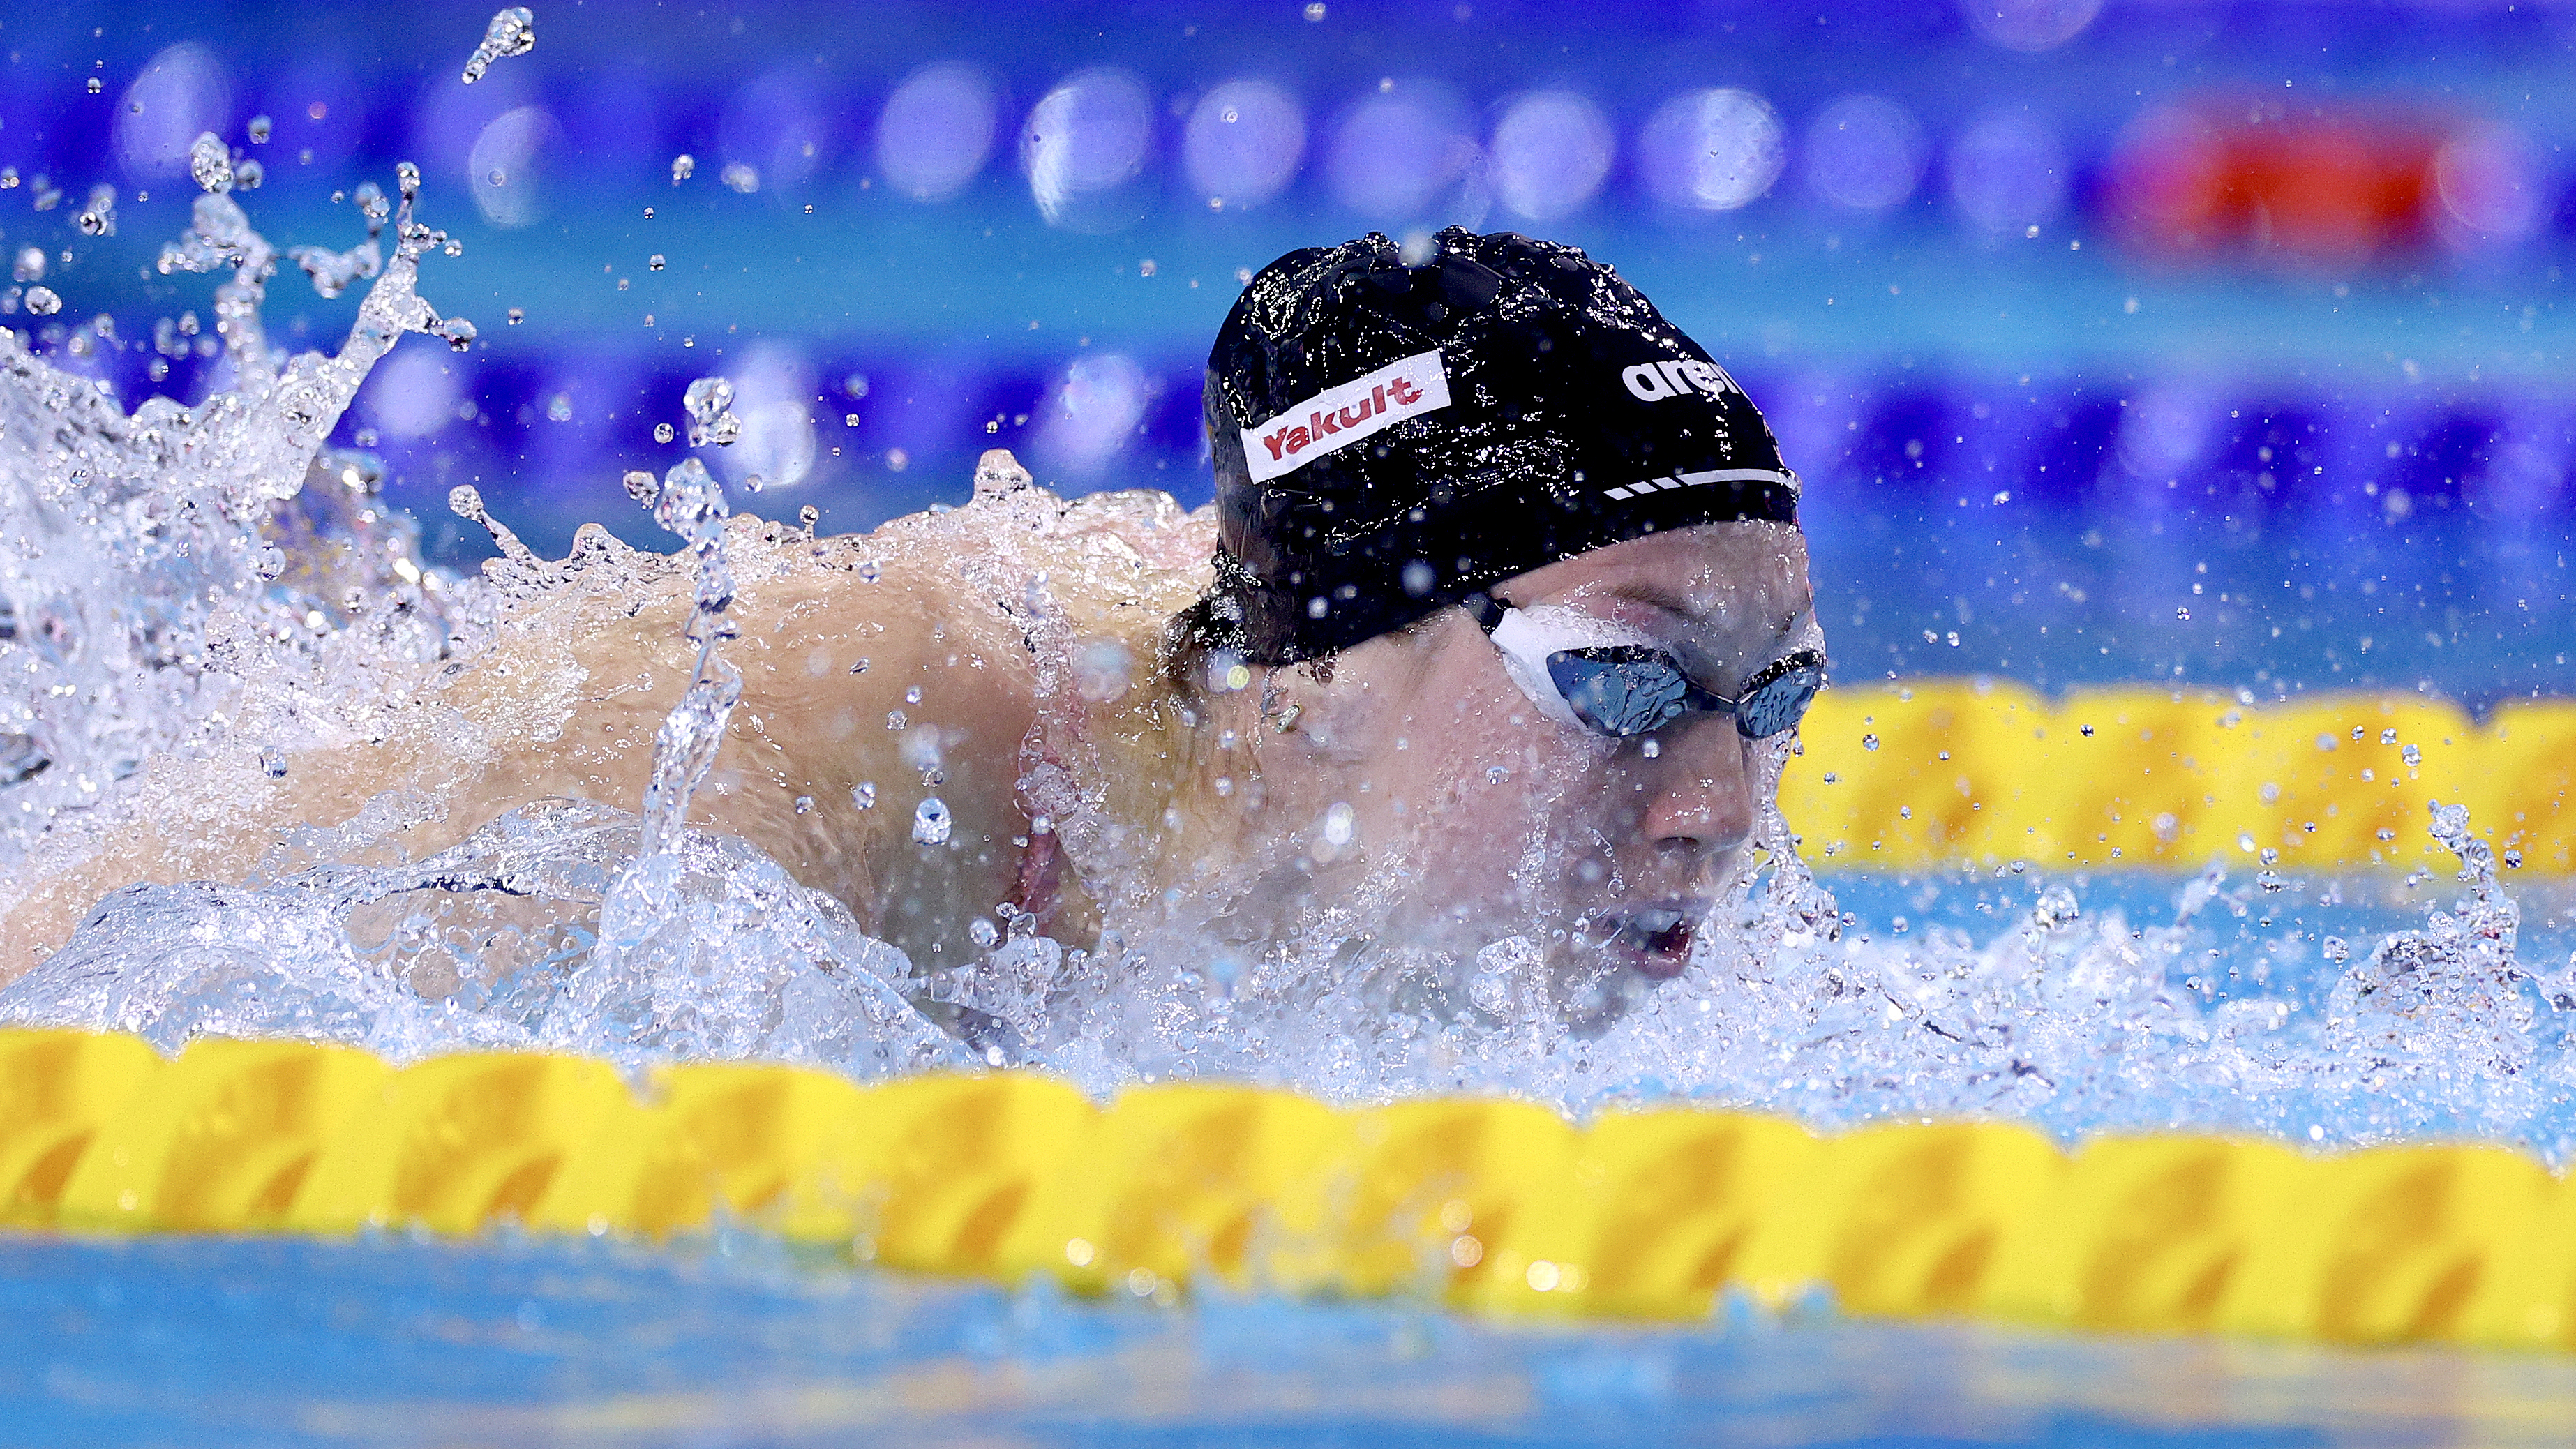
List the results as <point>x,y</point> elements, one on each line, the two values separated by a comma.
<point>1655,941</point>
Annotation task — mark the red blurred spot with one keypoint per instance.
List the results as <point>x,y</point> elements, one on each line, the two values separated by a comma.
<point>2332,186</point>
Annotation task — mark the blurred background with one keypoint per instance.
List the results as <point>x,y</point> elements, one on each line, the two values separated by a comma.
<point>2116,339</point>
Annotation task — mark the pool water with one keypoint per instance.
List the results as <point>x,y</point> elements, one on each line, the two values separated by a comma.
<point>738,1341</point>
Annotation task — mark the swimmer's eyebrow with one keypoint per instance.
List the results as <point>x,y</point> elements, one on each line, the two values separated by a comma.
<point>1656,596</point>
<point>1653,596</point>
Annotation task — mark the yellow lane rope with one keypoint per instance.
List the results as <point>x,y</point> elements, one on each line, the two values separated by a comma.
<point>1498,1206</point>
<point>1903,775</point>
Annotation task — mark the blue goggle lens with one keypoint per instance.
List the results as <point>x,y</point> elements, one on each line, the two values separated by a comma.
<point>1628,690</point>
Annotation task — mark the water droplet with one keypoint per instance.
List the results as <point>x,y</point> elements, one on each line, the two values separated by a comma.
<point>895,719</point>
<point>259,130</point>
<point>860,667</point>
<point>2337,950</point>
<point>2413,755</point>
<point>210,163</point>
<point>982,932</point>
<point>1869,742</point>
<point>517,316</point>
<point>683,166</point>
<point>2085,730</point>
<point>663,432</point>
<point>2386,736</point>
<point>930,823</point>
<point>512,32</point>
<point>804,804</point>
<point>43,302</point>
<point>868,572</point>
<point>912,695</point>
<point>864,794</point>
<point>559,408</point>
<point>711,420</point>
<point>640,486</point>
<point>2183,614</point>
<point>654,262</point>
<point>96,85</point>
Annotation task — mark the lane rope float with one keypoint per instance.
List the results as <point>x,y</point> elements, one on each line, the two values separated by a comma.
<point>1902,775</point>
<point>1485,1205</point>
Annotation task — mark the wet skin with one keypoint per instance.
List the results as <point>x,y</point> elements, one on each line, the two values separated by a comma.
<point>1409,732</point>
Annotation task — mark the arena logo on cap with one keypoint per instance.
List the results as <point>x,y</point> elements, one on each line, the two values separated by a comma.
<point>1656,381</point>
<point>1338,417</point>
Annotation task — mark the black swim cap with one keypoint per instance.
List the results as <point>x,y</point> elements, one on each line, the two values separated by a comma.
<point>1390,439</point>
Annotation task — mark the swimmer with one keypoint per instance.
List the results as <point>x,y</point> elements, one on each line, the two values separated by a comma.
<point>1507,627</point>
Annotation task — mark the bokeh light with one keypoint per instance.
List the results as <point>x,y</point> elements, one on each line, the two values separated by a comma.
<point>508,164</point>
<point>1550,154</point>
<point>415,392</point>
<point>2030,25</point>
<point>181,93</point>
<point>1086,139</point>
<point>2162,433</point>
<point>449,118</point>
<point>773,390</point>
<point>1092,413</point>
<point>2008,172</point>
<point>1714,150</point>
<point>1399,148</point>
<point>1243,143</point>
<point>1865,152</point>
<point>936,131</point>
<point>2490,185</point>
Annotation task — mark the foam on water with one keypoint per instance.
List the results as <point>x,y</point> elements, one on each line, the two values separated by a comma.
<point>197,597</point>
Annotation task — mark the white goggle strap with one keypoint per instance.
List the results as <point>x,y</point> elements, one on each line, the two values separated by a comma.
<point>1525,647</point>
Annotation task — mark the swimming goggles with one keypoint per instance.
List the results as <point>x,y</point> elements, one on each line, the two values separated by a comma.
<point>1589,673</point>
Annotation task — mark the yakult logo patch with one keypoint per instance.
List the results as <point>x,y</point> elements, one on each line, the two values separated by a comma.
<point>1338,417</point>
<point>1656,381</point>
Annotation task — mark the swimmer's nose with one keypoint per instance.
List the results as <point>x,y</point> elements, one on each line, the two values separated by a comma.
<point>1699,790</point>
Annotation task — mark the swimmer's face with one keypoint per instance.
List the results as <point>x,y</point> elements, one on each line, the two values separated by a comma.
<point>1502,819</point>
